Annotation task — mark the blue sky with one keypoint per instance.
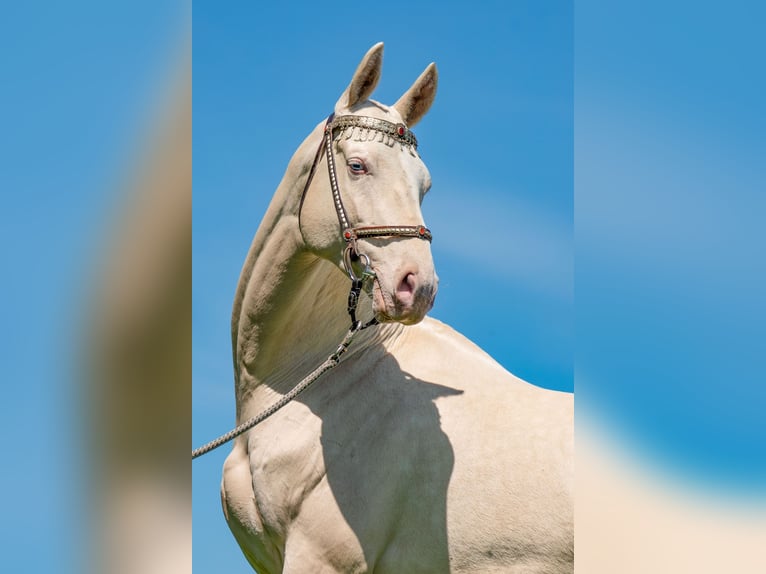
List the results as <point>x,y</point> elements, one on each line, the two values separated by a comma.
<point>498,142</point>
<point>669,234</point>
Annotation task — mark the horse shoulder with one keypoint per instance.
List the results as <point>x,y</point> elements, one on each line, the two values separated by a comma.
<point>241,511</point>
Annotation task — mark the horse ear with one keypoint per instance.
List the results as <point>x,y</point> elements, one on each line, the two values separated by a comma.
<point>365,78</point>
<point>416,101</point>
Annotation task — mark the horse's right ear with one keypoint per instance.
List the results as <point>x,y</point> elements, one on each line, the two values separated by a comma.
<point>365,78</point>
<point>416,101</point>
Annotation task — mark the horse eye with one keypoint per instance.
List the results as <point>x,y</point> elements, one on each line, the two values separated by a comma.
<point>357,166</point>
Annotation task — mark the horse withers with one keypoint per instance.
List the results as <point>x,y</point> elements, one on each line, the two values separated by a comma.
<point>418,452</point>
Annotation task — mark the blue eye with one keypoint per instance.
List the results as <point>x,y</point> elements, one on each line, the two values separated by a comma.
<point>357,166</point>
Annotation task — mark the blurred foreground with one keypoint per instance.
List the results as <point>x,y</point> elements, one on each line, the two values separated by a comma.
<point>632,517</point>
<point>139,359</point>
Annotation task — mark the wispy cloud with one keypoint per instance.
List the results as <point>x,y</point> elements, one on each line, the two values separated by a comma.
<point>511,238</point>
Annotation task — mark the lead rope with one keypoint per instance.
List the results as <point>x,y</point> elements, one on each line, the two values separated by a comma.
<point>332,361</point>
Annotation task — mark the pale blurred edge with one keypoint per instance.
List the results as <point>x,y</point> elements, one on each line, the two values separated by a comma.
<point>138,358</point>
<point>632,516</point>
<point>637,513</point>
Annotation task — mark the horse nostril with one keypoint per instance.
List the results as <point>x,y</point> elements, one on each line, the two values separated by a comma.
<point>406,288</point>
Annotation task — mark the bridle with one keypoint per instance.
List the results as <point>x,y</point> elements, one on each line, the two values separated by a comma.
<point>366,128</point>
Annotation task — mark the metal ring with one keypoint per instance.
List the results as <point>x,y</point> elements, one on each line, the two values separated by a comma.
<point>347,263</point>
<point>364,261</point>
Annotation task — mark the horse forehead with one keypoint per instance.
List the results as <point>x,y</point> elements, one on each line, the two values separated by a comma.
<point>375,109</point>
<point>398,163</point>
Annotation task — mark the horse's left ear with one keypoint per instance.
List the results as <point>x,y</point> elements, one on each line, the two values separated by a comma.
<point>365,78</point>
<point>416,101</point>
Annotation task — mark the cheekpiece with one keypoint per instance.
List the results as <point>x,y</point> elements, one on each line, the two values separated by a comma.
<point>395,132</point>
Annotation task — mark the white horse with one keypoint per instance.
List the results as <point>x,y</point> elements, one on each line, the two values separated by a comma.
<point>418,452</point>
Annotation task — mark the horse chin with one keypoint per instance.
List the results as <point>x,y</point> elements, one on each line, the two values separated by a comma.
<point>404,319</point>
<point>387,310</point>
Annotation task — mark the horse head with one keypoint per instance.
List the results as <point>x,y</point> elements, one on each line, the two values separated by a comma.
<point>369,206</point>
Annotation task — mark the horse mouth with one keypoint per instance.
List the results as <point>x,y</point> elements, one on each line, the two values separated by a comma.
<point>388,308</point>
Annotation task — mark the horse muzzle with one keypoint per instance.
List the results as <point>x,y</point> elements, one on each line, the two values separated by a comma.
<point>405,300</point>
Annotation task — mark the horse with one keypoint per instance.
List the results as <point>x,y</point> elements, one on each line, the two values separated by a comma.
<point>417,452</point>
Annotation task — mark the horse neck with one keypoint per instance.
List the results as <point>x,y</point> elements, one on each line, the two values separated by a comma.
<point>290,309</point>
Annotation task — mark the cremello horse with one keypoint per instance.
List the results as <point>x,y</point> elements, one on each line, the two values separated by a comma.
<point>418,452</point>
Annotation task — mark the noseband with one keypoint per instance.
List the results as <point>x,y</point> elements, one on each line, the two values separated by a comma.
<point>369,128</point>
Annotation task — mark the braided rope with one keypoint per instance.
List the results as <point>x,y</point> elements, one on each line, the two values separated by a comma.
<point>329,363</point>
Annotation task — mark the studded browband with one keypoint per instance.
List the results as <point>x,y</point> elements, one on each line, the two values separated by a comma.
<point>385,129</point>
